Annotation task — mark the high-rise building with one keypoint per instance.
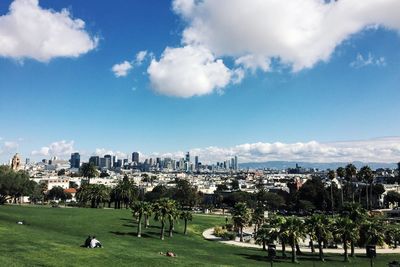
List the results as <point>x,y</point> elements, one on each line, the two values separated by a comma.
<point>108,161</point>
<point>27,161</point>
<point>95,160</point>
<point>196,163</point>
<point>135,157</point>
<point>236,166</point>
<point>187,157</point>
<point>75,160</point>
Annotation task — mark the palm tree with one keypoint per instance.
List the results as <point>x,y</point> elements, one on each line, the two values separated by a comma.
<point>147,214</point>
<point>373,231</point>
<point>319,228</point>
<point>393,234</point>
<point>277,225</point>
<point>357,215</point>
<point>294,229</point>
<point>139,209</point>
<point>173,215</point>
<point>341,173</point>
<point>240,217</point>
<point>161,212</point>
<point>331,176</point>
<point>88,170</point>
<point>346,230</point>
<point>186,216</point>
<point>366,175</point>
<point>264,235</point>
<point>350,171</point>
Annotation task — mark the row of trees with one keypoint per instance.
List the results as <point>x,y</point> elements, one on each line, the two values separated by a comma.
<point>352,227</point>
<point>14,185</point>
<point>164,210</point>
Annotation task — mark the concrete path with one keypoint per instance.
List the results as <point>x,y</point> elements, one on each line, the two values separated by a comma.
<point>208,234</point>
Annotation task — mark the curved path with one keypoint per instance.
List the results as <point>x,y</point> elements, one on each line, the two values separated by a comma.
<point>208,234</point>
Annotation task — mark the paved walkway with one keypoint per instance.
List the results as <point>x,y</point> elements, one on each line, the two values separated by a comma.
<point>208,234</point>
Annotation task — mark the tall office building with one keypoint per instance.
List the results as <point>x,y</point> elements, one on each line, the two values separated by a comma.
<point>236,166</point>
<point>95,160</point>
<point>135,157</point>
<point>75,160</point>
<point>187,157</point>
<point>27,161</point>
<point>108,161</point>
<point>196,163</point>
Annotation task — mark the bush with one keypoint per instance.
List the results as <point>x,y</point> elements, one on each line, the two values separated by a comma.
<point>229,235</point>
<point>219,231</point>
<point>229,227</point>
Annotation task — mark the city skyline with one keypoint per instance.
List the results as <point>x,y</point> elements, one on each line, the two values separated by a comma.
<point>155,77</point>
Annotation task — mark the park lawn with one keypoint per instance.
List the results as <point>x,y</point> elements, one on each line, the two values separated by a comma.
<point>52,237</point>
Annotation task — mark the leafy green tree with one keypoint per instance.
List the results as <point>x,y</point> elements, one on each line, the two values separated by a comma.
<point>294,229</point>
<point>61,172</point>
<point>139,208</point>
<point>392,197</point>
<point>241,217</point>
<point>186,194</point>
<point>88,170</point>
<point>186,216</point>
<point>126,192</point>
<point>95,194</point>
<point>57,193</point>
<point>392,234</point>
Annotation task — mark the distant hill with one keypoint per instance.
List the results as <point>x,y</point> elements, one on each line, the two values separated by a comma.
<point>279,165</point>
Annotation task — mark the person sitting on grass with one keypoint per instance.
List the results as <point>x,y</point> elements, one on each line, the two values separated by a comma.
<point>87,242</point>
<point>94,243</point>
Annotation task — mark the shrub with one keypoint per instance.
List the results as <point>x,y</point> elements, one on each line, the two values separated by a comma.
<point>229,235</point>
<point>229,227</point>
<point>219,231</point>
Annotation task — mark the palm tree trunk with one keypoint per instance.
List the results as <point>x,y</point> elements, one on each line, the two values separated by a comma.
<point>346,255</point>
<point>147,221</point>
<point>283,248</point>
<point>241,234</point>
<point>370,196</point>
<point>312,245</point>
<point>185,229</point>
<point>264,245</point>
<point>332,197</point>
<point>366,194</point>
<point>139,230</point>
<point>294,256</point>
<point>162,230</point>
<point>321,250</point>
<point>171,227</point>
<point>352,248</point>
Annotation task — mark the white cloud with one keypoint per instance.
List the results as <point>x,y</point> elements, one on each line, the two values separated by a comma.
<point>373,150</point>
<point>10,145</point>
<point>122,69</point>
<point>102,151</point>
<point>298,32</point>
<point>295,33</point>
<point>29,31</point>
<point>140,56</point>
<point>59,149</point>
<point>188,71</point>
<point>369,60</point>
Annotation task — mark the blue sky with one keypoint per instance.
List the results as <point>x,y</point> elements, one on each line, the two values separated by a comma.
<point>351,95</point>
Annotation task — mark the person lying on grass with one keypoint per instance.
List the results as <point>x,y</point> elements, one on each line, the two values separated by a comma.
<point>94,243</point>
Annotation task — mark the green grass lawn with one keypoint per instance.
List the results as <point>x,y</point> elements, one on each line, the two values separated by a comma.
<point>52,237</point>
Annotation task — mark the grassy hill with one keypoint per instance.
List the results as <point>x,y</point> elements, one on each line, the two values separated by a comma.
<point>52,237</point>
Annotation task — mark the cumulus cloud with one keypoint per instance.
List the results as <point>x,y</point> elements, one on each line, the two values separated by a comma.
<point>373,150</point>
<point>369,60</point>
<point>295,33</point>
<point>59,149</point>
<point>188,71</point>
<point>102,151</point>
<point>29,31</point>
<point>122,69</point>
<point>300,32</point>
